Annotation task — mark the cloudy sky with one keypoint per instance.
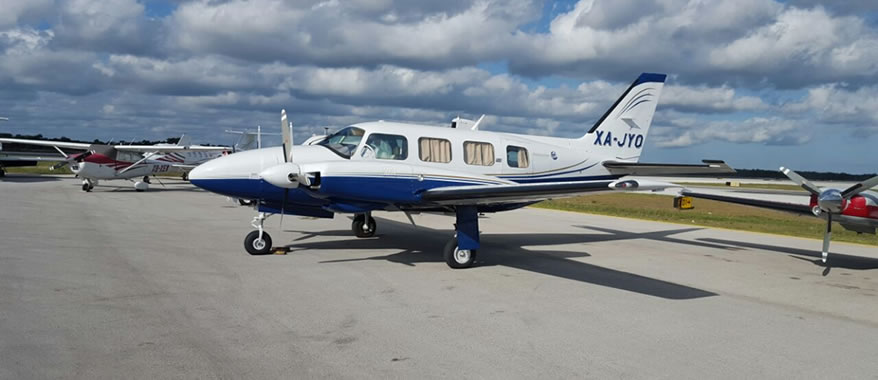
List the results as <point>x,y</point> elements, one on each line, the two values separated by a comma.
<point>759,83</point>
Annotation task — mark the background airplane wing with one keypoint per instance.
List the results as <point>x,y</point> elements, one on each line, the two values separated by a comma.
<point>59,144</point>
<point>170,148</point>
<point>26,158</point>
<point>797,208</point>
<point>710,167</point>
<point>488,194</point>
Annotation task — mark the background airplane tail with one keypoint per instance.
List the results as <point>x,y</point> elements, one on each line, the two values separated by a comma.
<point>621,132</point>
<point>184,141</point>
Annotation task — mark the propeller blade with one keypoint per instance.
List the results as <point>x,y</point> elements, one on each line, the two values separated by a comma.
<point>286,129</point>
<point>827,237</point>
<point>801,181</point>
<point>859,188</point>
<point>60,165</point>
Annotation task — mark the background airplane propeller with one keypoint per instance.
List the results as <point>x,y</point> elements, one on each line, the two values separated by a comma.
<point>77,158</point>
<point>829,201</point>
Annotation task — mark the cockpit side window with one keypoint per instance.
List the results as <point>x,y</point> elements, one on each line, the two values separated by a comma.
<point>386,147</point>
<point>344,142</point>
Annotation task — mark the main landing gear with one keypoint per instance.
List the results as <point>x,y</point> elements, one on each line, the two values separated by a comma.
<point>258,242</point>
<point>364,225</point>
<point>2,173</point>
<point>460,251</point>
<point>88,185</point>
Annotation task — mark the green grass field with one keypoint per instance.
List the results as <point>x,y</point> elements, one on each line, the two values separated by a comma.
<point>706,213</point>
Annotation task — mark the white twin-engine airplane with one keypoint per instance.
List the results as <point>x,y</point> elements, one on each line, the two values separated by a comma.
<point>465,171</point>
<point>100,162</point>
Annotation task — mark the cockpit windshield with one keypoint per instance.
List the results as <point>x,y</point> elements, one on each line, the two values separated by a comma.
<point>344,142</point>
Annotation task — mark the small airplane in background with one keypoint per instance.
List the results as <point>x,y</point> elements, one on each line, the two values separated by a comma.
<point>100,162</point>
<point>389,166</point>
<point>854,208</point>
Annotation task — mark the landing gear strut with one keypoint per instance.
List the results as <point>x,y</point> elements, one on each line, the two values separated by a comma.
<point>460,251</point>
<point>364,225</point>
<point>258,242</point>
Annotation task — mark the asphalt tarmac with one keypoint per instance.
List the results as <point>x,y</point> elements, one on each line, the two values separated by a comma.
<point>119,284</point>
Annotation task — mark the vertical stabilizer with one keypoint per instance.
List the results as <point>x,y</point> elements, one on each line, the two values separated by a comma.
<point>184,141</point>
<point>621,132</point>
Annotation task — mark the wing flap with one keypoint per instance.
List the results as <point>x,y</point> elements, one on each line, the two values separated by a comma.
<point>487,194</point>
<point>709,167</point>
<point>796,208</point>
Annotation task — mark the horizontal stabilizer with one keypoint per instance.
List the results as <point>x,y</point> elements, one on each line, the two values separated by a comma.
<point>710,167</point>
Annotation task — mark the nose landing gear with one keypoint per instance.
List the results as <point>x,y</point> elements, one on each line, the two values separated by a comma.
<point>364,225</point>
<point>88,185</point>
<point>258,242</point>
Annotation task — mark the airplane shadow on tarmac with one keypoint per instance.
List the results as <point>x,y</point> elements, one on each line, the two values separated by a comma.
<point>836,260</point>
<point>27,178</point>
<point>424,245</point>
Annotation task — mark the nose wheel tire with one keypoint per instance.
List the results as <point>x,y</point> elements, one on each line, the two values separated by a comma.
<point>363,229</point>
<point>256,246</point>
<point>457,258</point>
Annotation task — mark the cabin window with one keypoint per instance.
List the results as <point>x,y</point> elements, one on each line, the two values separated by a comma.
<point>126,156</point>
<point>434,150</point>
<point>386,147</point>
<point>516,157</point>
<point>478,153</point>
<point>344,142</point>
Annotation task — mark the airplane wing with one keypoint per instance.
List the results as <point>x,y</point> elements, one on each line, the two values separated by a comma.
<point>58,144</point>
<point>488,194</point>
<point>710,167</point>
<point>170,148</point>
<point>796,208</point>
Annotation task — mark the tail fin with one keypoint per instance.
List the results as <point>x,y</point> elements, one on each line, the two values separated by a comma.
<point>621,131</point>
<point>184,141</point>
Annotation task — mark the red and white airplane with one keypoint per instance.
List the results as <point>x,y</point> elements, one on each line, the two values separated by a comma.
<point>854,208</point>
<point>112,162</point>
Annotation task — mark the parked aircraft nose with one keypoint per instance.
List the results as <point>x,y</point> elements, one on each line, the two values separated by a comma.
<point>235,175</point>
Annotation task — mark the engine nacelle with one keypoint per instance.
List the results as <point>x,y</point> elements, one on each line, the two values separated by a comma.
<point>287,175</point>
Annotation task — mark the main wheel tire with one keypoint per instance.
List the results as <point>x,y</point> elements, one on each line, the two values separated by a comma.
<point>146,179</point>
<point>244,202</point>
<point>2,173</point>
<point>86,187</point>
<point>361,228</point>
<point>458,258</point>
<point>186,176</point>
<point>255,246</point>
